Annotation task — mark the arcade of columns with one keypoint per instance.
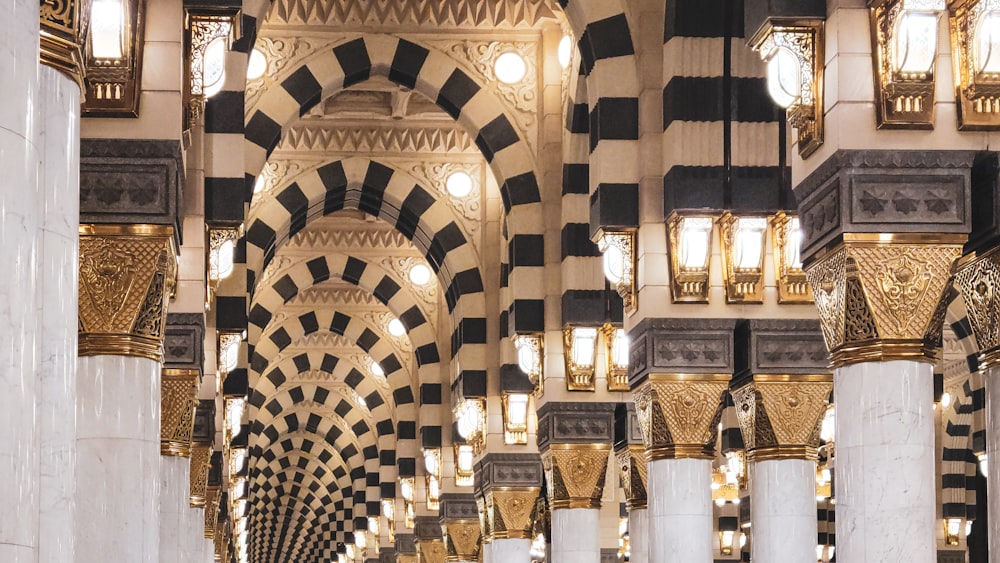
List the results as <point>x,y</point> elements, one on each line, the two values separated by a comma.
<point>106,433</point>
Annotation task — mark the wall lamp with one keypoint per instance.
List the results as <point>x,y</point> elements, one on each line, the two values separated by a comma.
<point>904,46</point>
<point>515,417</point>
<point>530,356</point>
<point>471,422</point>
<point>793,287</point>
<point>616,344</point>
<point>743,249</point>
<point>464,470</point>
<point>580,352</point>
<point>690,238</point>
<point>975,31</point>
<point>432,476</point>
<point>112,58</point>
<point>793,51</point>
<point>952,530</point>
<point>221,255</point>
<point>620,265</point>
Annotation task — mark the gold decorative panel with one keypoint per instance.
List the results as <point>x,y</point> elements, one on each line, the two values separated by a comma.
<point>634,474</point>
<point>878,296</point>
<point>575,474</point>
<point>127,272</point>
<point>511,511</point>
<point>678,414</point>
<point>462,540</point>
<point>780,416</point>
<point>201,461</point>
<point>978,281</point>
<point>63,25</point>
<point>431,551</point>
<point>178,401</point>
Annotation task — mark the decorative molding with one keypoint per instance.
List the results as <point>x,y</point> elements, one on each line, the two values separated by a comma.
<point>575,474</point>
<point>201,458</point>
<point>178,401</point>
<point>780,416</point>
<point>63,26</point>
<point>678,414</point>
<point>127,273</point>
<point>634,471</point>
<point>978,282</point>
<point>328,296</point>
<point>882,298</point>
<point>511,512</point>
<point>453,14</point>
<point>383,239</point>
<point>783,347</point>
<point>401,267</point>
<point>680,346</point>
<point>316,137</point>
<point>575,423</point>
<point>183,344</point>
<point>459,517</point>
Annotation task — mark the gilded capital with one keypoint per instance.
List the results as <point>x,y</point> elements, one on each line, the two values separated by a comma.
<point>462,540</point>
<point>780,415</point>
<point>201,460</point>
<point>678,414</point>
<point>178,401</point>
<point>575,474</point>
<point>63,26</point>
<point>212,513</point>
<point>511,511</point>
<point>127,273</point>
<point>880,297</point>
<point>634,472</point>
<point>431,551</point>
<point>978,281</point>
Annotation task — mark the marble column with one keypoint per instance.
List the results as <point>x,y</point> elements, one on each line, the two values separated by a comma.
<point>575,443</point>
<point>177,406</point>
<point>19,249</point>
<point>459,519</point>
<point>59,187</point>
<point>631,457</point>
<point>126,274</point>
<point>880,300</point>
<point>511,485</point>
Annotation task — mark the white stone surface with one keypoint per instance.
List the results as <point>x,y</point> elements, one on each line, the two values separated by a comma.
<point>19,221</point>
<point>575,536</point>
<point>885,462</point>
<point>118,459</point>
<point>993,456</point>
<point>175,538</point>
<point>783,510</point>
<point>59,187</point>
<point>488,552</point>
<point>638,535</point>
<point>680,511</point>
<point>510,551</point>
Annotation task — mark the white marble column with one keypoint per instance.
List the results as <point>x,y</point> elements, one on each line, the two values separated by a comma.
<point>118,459</point>
<point>992,456</point>
<point>175,541</point>
<point>509,551</point>
<point>885,462</point>
<point>638,535</point>
<point>59,185</point>
<point>575,535</point>
<point>19,247</point>
<point>783,511</point>
<point>680,511</point>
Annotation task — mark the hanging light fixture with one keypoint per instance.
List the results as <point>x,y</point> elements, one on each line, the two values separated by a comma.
<point>743,250</point>
<point>515,417</point>
<point>975,31</point>
<point>904,44</point>
<point>580,352</point>
<point>618,249</point>
<point>690,238</point>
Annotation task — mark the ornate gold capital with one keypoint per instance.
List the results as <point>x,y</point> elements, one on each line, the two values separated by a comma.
<point>212,513</point>
<point>978,280</point>
<point>201,461</point>
<point>879,296</point>
<point>431,551</point>
<point>575,474</point>
<point>780,415</point>
<point>462,540</point>
<point>127,272</point>
<point>178,400</point>
<point>634,472</point>
<point>511,511</point>
<point>63,25</point>
<point>678,414</point>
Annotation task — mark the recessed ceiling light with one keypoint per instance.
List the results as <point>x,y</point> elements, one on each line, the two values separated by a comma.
<point>420,274</point>
<point>510,67</point>
<point>257,65</point>
<point>396,327</point>
<point>459,184</point>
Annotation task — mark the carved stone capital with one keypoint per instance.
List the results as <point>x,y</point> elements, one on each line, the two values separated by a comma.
<point>678,414</point>
<point>634,473</point>
<point>178,401</point>
<point>511,511</point>
<point>63,26</point>
<point>183,344</point>
<point>780,416</point>
<point>978,282</point>
<point>575,423</point>
<point>703,346</point>
<point>575,474</point>
<point>127,273</point>
<point>201,459</point>
<point>462,540</point>
<point>880,297</point>
<point>212,512</point>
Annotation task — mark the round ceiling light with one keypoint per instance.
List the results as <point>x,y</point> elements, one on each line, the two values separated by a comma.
<point>420,274</point>
<point>510,67</point>
<point>459,184</point>
<point>257,65</point>
<point>565,52</point>
<point>376,369</point>
<point>396,328</point>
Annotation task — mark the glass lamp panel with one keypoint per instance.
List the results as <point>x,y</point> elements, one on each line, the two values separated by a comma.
<point>748,244</point>
<point>107,29</point>
<point>584,340</point>
<point>915,42</point>
<point>986,47</point>
<point>784,78</point>
<point>695,242</point>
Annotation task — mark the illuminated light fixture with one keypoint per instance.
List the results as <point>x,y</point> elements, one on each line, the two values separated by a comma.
<point>743,540</point>
<point>107,29</point>
<point>904,46</point>
<point>409,514</point>
<point>406,488</point>
<point>464,471</point>
<point>826,429</point>
<point>229,351</point>
<point>793,52</point>
<point>112,56</point>
<point>952,530</point>
<point>210,38</point>
<point>237,457</point>
<point>396,328</point>
<point>616,344</point>
<point>983,465</point>
<point>968,528</point>
<point>420,274</point>
<point>360,539</point>
<point>471,419</point>
<point>433,492</point>
<point>530,356</point>
<point>349,552</point>
<point>580,352</point>
<point>221,254</point>
<point>234,416</point>
<point>624,541</point>
<point>515,418</point>
<point>726,539</point>
<point>975,34</point>
<point>459,184</point>
<point>258,183</point>
<point>743,251</point>
<point>786,231</point>
<point>945,399</point>
<point>376,369</point>
<point>432,461</point>
<point>257,65</point>
<point>690,240</point>
<point>618,248</point>
<point>565,51</point>
<point>373,529</point>
<point>240,488</point>
<point>510,67</point>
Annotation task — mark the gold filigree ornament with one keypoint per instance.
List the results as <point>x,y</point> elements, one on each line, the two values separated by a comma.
<point>431,551</point>
<point>780,415</point>
<point>511,511</point>
<point>201,461</point>
<point>64,24</point>
<point>879,296</point>
<point>462,540</point>
<point>178,401</point>
<point>576,474</point>
<point>127,272</point>
<point>978,281</point>
<point>678,413</point>
<point>634,470</point>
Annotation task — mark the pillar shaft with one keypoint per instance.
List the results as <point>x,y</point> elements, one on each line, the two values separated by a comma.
<point>575,535</point>
<point>783,510</point>
<point>992,456</point>
<point>630,453</point>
